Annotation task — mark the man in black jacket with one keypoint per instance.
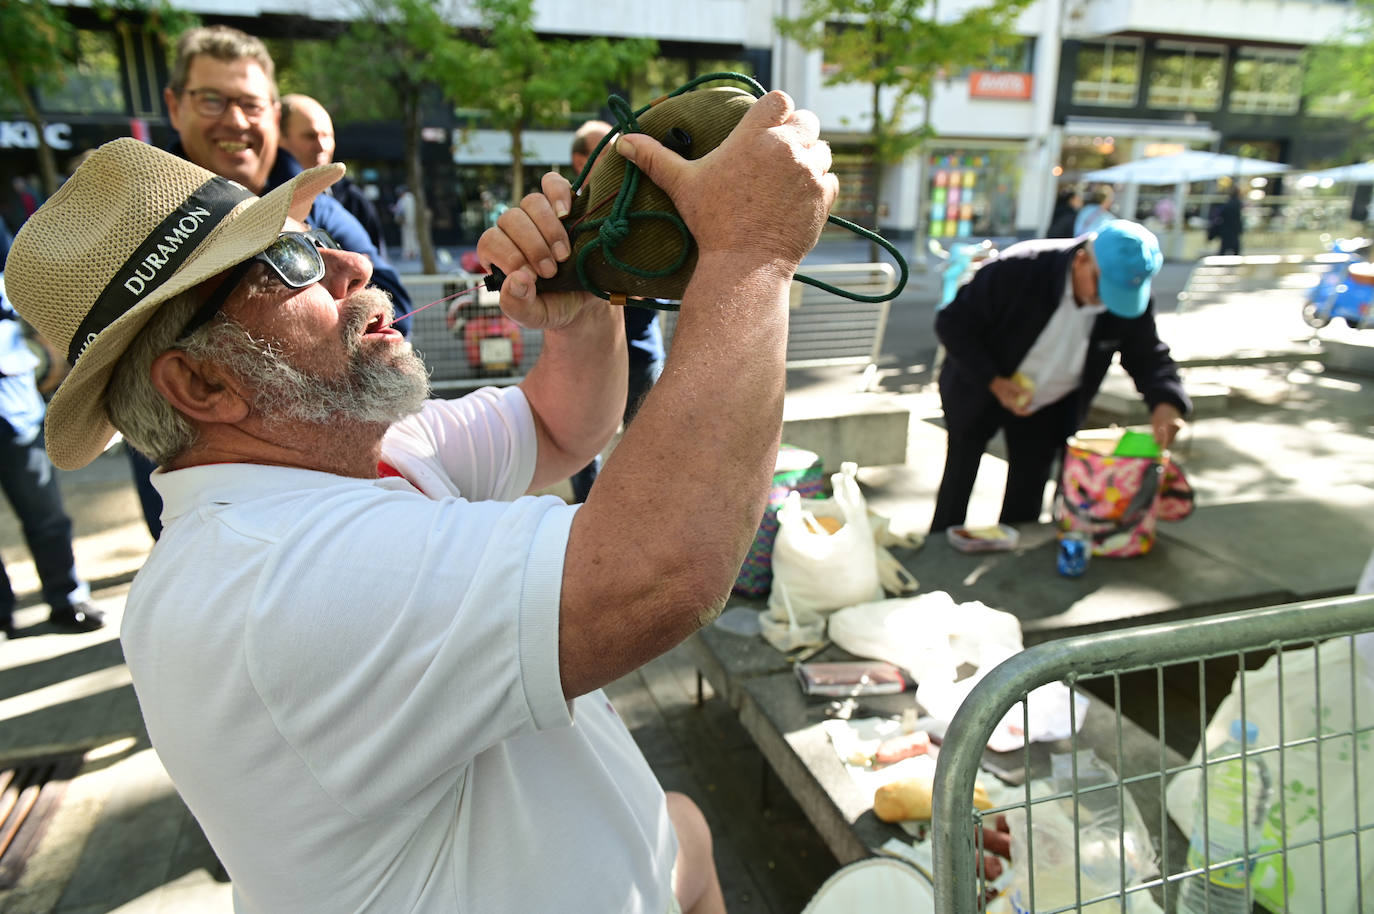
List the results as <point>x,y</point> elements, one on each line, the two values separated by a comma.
<point>1029,340</point>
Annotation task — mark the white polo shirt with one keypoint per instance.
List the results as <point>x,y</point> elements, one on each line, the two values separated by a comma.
<point>354,684</point>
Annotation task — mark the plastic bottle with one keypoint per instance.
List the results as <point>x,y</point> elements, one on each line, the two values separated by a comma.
<point>1223,890</point>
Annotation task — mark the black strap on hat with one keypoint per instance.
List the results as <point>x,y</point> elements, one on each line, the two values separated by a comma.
<point>160,255</point>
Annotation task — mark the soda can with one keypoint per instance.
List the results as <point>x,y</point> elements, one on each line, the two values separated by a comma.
<point>1074,552</point>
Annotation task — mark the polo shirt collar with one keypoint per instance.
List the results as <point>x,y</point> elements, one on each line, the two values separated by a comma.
<point>229,483</point>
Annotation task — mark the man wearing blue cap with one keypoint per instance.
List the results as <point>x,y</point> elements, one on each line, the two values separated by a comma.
<point>1028,341</point>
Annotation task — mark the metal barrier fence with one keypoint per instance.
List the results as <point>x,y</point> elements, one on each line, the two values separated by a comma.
<point>825,328</point>
<point>1310,843</point>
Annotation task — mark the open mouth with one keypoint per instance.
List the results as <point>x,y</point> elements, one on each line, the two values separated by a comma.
<point>378,324</point>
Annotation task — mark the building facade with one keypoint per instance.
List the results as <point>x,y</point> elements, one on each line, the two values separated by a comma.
<point>1080,84</point>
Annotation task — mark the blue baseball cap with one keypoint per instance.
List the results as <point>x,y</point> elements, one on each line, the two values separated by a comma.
<point>1128,257</point>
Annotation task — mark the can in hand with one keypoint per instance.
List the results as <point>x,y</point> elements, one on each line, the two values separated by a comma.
<point>1074,552</point>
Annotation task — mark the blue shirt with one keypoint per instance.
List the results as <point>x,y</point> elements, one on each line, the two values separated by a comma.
<point>21,406</point>
<point>330,215</point>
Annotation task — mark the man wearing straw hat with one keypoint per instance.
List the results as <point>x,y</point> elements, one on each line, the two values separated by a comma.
<point>360,727</point>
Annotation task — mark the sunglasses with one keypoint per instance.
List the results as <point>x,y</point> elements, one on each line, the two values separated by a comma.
<point>294,259</point>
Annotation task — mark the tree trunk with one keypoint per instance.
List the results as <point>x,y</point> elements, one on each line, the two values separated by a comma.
<point>517,166</point>
<point>47,163</point>
<point>416,179</point>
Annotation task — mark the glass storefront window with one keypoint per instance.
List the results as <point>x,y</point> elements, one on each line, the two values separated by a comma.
<point>1107,74</point>
<point>1266,81</point>
<point>94,84</point>
<point>972,193</point>
<point>1186,77</point>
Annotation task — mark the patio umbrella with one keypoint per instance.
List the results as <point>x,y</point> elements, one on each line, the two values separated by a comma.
<point>1359,173</point>
<point>1184,168</point>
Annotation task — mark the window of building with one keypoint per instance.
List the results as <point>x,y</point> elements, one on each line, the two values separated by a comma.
<point>1012,55</point>
<point>1266,81</point>
<point>93,83</point>
<point>1186,77</point>
<point>1107,74</point>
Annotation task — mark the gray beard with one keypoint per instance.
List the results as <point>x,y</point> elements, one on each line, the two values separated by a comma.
<point>376,388</point>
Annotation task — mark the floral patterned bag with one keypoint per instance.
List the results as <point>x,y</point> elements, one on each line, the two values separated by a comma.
<point>1118,501</point>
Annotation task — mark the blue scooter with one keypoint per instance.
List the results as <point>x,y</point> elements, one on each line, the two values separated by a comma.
<point>1346,289</point>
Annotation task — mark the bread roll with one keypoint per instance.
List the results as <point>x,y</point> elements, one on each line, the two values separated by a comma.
<point>909,798</point>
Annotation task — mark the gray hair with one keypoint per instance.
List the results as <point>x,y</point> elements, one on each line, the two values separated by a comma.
<point>134,405</point>
<point>222,43</point>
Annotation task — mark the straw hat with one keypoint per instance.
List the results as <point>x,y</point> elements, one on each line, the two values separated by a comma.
<point>133,227</point>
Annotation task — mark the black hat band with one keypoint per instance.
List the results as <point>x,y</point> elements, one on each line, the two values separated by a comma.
<point>160,255</point>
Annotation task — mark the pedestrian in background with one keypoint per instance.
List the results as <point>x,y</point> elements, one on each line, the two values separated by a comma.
<point>643,335</point>
<point>1097,212</point>
<point>1028,343</point>
<point>29,481</point>
<point>26,200</point>
<point>405,212</point>
<point>307,132</point>
<point>1227,224</point>
<point>1066,209</point>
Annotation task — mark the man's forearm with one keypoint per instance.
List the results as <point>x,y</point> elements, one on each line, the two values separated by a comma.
<point>577,391</point>
<point>659,541</point>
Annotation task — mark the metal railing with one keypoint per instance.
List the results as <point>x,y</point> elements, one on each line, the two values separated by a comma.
<point>1320,820</point>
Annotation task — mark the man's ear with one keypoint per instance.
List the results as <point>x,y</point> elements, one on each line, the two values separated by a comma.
<point>173,103</point>
<point>200,391</point>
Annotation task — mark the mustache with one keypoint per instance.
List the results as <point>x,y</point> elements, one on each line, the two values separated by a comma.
<point>359,308</point>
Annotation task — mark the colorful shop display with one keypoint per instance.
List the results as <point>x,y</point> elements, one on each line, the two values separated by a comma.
<point>971,194</point>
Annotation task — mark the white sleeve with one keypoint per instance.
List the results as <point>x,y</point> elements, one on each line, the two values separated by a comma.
<point>480,447</point>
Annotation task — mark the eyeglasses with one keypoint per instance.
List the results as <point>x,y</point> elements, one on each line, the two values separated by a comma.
<point>294,258</point>
<point>210,103</point>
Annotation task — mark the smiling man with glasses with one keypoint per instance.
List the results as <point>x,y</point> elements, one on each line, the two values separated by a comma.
<point>222,101</point>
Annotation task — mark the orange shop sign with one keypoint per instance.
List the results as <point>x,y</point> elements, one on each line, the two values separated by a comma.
<point>988,84</point>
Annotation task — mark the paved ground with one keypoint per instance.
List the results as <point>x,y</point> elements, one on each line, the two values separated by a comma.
<point>1284,447</point>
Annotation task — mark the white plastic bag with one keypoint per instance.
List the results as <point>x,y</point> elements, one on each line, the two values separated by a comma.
<point>1334,769</point>
<point>1090,857</point>
<point>931,637</point>
<point>814,571</point>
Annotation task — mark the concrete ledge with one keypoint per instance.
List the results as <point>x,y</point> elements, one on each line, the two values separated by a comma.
<point>869,430</point>
<point>1350,356</point>
<point>1119,402</point>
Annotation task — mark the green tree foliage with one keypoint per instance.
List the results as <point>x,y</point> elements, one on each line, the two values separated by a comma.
<point>37,43</point>
<point>1338,77</point>
<point>898,48</point>
<point>380,67</point>
<point>39,47</point>
<point>525,81</point>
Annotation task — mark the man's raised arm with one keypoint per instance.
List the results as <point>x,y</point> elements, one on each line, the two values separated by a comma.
<point>658,544</point>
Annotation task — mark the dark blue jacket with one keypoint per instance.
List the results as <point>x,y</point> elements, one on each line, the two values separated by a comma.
<point>997,316</point>
<point>329,214</point>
